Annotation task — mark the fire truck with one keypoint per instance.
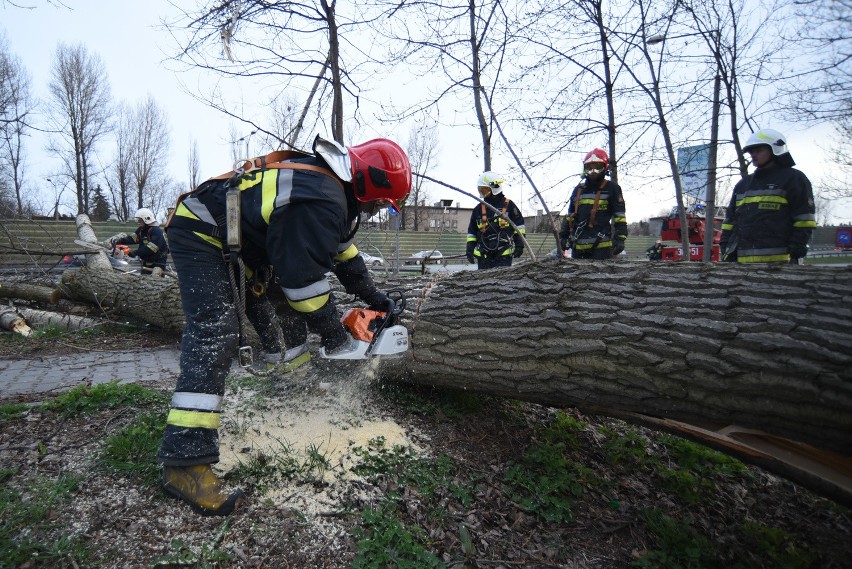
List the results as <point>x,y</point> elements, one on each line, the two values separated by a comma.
<point>695,223</point>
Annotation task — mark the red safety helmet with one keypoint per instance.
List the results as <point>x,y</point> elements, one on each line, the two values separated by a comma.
<point>597,155</point>
<point>380,171</point>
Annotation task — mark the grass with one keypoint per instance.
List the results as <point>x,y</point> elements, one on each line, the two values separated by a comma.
<point>544,481</point>
<point>133,449</point>
<point>86,400</point>
<point>28,533</point>
<point>680,546</point>
<point>263,471</point>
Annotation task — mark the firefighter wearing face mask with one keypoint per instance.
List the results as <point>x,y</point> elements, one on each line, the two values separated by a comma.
<point>491,240</point>
<point>299,214</point>
<point>771,215</point>
<point>596,224</point>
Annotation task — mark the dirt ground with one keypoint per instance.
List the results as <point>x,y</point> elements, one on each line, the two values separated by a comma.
<point>471,518</point>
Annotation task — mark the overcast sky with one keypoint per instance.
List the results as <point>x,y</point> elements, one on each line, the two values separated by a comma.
<point>127,37</point>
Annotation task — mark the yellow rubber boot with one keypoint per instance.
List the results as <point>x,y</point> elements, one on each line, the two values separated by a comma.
<point>294,358</point>
<point>199,487</point>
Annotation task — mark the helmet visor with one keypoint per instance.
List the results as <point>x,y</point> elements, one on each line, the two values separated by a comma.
<point>593,169</point>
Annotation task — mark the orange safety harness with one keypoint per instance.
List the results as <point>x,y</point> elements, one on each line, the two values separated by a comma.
<point>501,221</point>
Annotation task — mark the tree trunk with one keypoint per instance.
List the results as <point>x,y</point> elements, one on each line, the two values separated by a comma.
<point>64,321</point>
<point>12,321</point>
<point>767,347</point>
<point>27,291</point>
<point>147,298</point>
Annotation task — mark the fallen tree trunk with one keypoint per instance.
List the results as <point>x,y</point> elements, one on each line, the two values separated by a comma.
<point>756,361</point>
<point>12,321</point>
<point>767,347</point>
<point>64,321</point>
<point>27,291</point>
<point>150,299</point>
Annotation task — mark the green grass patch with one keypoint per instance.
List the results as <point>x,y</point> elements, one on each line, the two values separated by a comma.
<point>772,547</point>
<point>545,481</point>
<point>133,450</point>
<point>678,544</point>
<point>27,530</point>
<point>263,471</point>
<point>692,469</point>
<point>85,400</point>
<point>384,541</point>
<point>12,411</point>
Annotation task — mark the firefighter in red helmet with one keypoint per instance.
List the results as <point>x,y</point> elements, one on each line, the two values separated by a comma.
<point>596,224</point>
<point>297,213</point>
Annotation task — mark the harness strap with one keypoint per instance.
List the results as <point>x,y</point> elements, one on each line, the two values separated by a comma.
<point>484,210</point>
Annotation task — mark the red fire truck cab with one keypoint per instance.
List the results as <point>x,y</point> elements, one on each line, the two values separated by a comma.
<point>671,231</point>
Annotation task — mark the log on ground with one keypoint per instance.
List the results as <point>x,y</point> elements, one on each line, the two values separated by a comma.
<point>762,347</point>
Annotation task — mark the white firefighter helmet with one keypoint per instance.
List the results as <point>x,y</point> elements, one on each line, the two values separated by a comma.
<point>767,137</point>
<point>146,215</point>
<point>491,180</point>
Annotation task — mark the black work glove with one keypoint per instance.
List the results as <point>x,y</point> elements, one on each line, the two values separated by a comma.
<point>617,246</point>
<point>797,250</point>
<point>471,245</point>
<point>519,251</point>
<point>376,300</point>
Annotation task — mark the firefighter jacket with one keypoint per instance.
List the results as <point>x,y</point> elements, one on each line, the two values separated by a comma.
<point>771,215</point>
<point>300,219</point>
<point>489,235</point>
<point>596,217</point>
<point>153,250</point>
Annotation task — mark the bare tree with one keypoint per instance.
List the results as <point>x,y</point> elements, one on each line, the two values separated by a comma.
<point>193,162</point>
<point>142,146</point>
<point>300,44</point>
<point>16,105</point>
<point>422,150</point>
<point>119,183</point>
<point>149,159</point>
<point>80,114</point>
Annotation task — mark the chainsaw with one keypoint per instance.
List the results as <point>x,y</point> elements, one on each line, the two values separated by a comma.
<point>376,333</point>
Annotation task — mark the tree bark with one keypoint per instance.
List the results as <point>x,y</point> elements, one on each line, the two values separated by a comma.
<point>150,299</point>
<point>12,321</point>
<point>64,321</point>
<point>27,291</point>
<point>766,347</point>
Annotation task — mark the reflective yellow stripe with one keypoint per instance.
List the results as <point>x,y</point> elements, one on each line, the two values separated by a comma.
<point>183,211</point>
<point>764,258</point>
<point>268,192</point>
<point>805,224</point>
<point>310,304</point>
<point>349,253</point>
<point>193,419</point>
<point>212,240</point>
<point>764,199</point>
<point>727,226</point>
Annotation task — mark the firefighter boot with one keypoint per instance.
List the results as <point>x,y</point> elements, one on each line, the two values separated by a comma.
<point>199,487</point>
<point>295,357</point>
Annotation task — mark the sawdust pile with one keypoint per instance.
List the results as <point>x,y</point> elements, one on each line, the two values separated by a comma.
<point>317,413</point>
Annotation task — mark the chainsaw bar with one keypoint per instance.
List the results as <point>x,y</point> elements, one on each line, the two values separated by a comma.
<point>89,245</point>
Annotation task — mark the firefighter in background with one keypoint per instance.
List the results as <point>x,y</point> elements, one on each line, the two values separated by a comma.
<point>596,224</point>
<point>298,213</point>
<point>771,215</point>
<point>655,251</point>
<point>153,251</point>
<point>491,240</point>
